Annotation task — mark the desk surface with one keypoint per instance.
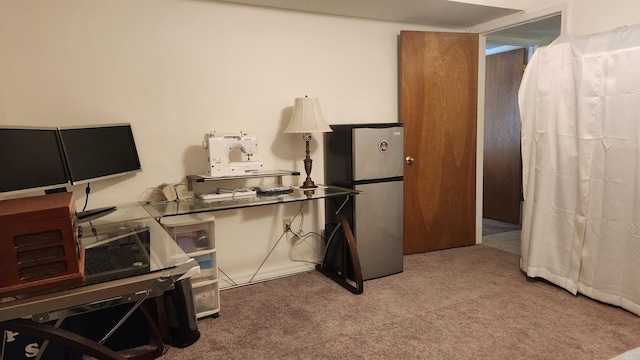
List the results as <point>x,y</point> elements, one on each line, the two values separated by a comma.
<point>167,262</point>
<point>160,209</point>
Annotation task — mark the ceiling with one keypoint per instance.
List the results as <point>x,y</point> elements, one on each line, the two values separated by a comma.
<point>456,14</point>
<point>452,14</point>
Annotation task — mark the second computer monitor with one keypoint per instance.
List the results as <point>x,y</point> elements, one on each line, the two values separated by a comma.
<point>99,152</point>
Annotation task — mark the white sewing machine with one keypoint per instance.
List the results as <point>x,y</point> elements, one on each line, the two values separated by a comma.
<point>220,147</point>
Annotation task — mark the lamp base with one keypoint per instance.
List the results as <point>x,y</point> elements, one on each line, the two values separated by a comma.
<point>308,184</point>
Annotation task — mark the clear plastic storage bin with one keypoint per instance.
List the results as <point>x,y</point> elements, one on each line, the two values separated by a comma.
<point>195,234</point>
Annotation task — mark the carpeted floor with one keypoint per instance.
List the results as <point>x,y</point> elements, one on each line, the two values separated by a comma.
<point>464,303</point>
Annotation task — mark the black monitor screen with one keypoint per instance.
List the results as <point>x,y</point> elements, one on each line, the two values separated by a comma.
<point>99,152</point>
<point>31,158</point>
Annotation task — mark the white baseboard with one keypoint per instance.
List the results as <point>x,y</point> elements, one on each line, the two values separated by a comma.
<point>230,280</point>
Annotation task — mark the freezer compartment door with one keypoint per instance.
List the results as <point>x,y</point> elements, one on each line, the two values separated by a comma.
<point>378,153</point>
<point>378,228</point>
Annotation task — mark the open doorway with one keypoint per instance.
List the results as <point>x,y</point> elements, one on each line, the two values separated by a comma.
<point>507,53</point>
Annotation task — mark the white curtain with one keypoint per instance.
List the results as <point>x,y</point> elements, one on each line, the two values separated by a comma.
<point>580,110</point>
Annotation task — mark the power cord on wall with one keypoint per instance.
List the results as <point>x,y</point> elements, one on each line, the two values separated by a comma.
<point>299,236</point>
<point>87,190</point>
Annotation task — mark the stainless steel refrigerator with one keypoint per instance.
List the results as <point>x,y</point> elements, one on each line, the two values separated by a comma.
<point>369,158</point>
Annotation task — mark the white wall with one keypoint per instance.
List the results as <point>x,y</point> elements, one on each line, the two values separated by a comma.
<point>592,16</point>
<point>176,69</point>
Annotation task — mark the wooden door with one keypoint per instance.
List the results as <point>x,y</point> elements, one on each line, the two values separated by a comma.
<point>502,174</point>
<point>438,105</point>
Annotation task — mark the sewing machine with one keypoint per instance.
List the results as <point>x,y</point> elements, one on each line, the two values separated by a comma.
<point>220,147</point>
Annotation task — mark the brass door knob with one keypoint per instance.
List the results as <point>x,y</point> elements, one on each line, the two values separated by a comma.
<point>409,160</point>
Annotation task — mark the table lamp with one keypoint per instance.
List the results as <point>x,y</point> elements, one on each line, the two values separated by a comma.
<point>306,119</point>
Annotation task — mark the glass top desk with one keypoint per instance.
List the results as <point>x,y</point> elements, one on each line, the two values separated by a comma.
<point>166,264</point>
<point>164,208</point>
<point>338,197</point>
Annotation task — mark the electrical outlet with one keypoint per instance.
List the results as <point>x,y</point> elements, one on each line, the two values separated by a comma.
<point>286,224</point>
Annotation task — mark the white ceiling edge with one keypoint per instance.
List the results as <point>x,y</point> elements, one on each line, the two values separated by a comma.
<point>521,18</point>
<point>505,4</point>
<point>434,13</point>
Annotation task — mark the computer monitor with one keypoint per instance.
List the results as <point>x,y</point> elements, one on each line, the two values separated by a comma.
<point>99,152</point>
<point>31,158</point>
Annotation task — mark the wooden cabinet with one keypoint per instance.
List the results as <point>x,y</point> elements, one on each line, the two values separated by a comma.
<point>39,246</point>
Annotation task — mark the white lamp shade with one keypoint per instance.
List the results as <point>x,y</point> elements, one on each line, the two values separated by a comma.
<point>307,117</point>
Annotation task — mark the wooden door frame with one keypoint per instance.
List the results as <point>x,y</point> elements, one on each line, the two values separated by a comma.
<point>484,29</point>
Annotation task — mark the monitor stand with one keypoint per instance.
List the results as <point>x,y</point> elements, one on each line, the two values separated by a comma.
<point>93,214</point>
<point>56,190</point>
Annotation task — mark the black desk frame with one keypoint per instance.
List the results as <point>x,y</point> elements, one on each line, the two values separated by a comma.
<point>350,252</point>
